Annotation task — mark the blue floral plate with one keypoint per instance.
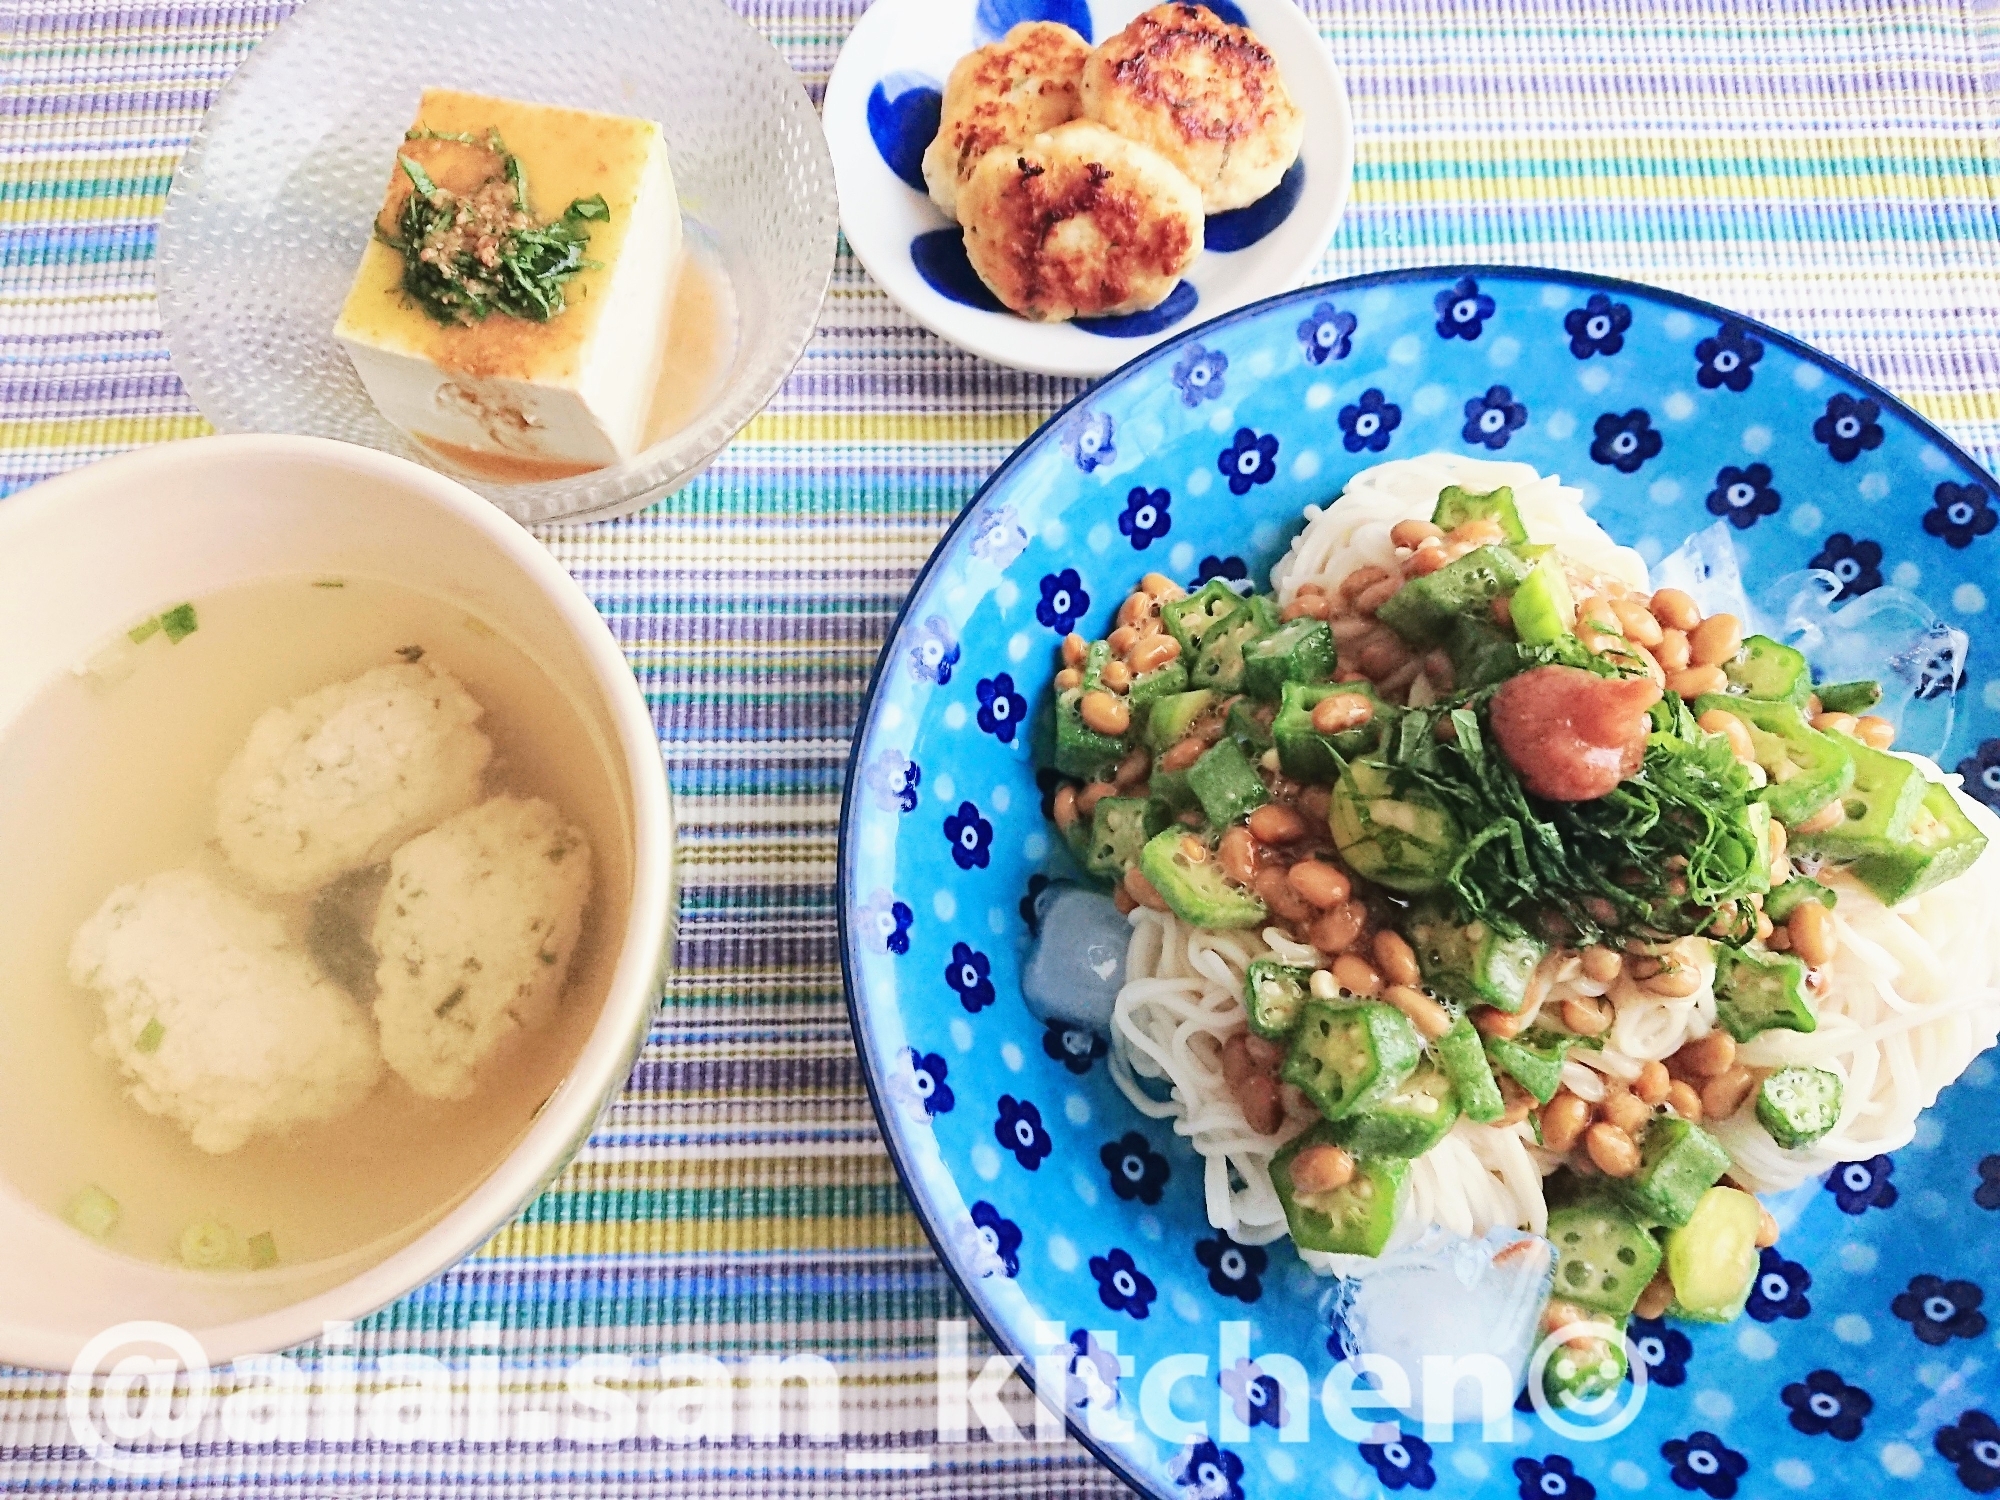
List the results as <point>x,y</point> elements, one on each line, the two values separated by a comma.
<point>1073,1225</point>
<point>881,111</point>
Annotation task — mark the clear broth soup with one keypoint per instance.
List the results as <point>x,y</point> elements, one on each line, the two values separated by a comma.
<point>110,776</point>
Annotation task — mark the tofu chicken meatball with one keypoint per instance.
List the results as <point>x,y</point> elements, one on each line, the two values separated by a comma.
<point>1009,91</point>
<point>474,935</point>
<point>336,780</point>
<point>1204,94</point>
<point>1079,222</point>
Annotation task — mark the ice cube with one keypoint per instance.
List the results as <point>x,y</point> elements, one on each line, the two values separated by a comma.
<point>1445,1298</point>
<point>1077,965</point>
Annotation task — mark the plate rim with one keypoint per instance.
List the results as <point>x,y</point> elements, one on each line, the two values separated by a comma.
<point>886,1117</point>
<point>1090,369</point>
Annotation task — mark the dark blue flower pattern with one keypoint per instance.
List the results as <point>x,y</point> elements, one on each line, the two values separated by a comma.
<point>1662,1348</point>
<point>1462,310</point>
<point>1983,773</point>
<point>1856,562</point>
<point>1088,440</point>
<point>1019,1129</point>
<point>1327,333</point>
<point>1849,426</point>
<point>1987,1194</point>
<point>934,652</point>
<point>1093,1372</point>
<point>885,922</point>
<point>1121,1285</point>
<point>1000,1235</point>
<point>1824,1405</point>
<point>1258,1398</point>
<point>1198,374</point>
<point>1554,1477</point>
<point>1250,459</point>
<point>1403,1461</point>
<point>927,1075</point>
<point>1625,442</point>
<point>1369,422</point>
<point>1597,327</point>
<point>1858,1186</point>
<point>971,837</point>
<point>1743,495</point>
<point>1960,512</point>
<point>1702,1461</point>
<point>1207,1472</point>
<point>1137,1170</point>
<point>894,778</point>
<point>1493,418</point>
<point>1972,1446</point>
<point>1233,1270</point>
<point>1939,1311</point>
<point>1726,359</point>
<point>970,976</point>
<point>1073,1047</point>
<point>1063,601</point>
<point>1002,709</point>
<point>1145,518</point>
<point>1233,571</point>
<point>1780,1288</point>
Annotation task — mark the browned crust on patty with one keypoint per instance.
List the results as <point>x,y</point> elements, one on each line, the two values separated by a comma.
<point>1198,89</point>
<point>1007,91</point>
<point>1076,224</point>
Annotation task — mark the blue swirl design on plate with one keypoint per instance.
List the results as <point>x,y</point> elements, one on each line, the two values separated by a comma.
<point>940,258</point>
<point>1180,302</point>
<point>903,114</point>
<point>1239,228</point>
<point>1888,1265</point>
<point>993,19</point>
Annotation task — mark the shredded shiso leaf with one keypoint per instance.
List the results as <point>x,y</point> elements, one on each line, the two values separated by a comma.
<point>150,1037</point>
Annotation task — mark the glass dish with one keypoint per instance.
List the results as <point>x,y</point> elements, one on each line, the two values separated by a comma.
<point>271,207</point>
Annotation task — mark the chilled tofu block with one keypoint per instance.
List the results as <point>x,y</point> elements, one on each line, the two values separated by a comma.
<point>482,324</point>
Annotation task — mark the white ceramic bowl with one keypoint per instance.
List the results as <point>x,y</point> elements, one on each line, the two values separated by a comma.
<point>272,204</point>
<point>874,105</point>
<point>80,557</point>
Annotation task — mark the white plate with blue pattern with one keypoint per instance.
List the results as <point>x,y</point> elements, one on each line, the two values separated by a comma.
<point>881,110</point>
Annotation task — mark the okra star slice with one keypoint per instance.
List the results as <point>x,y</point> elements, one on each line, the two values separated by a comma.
<point>1798,1105</point>
<point>1770,670</point>
<point>1604,1256</point>
<point>1197,891</point>
<point>1354,1219</point>
<point>1678,1162</point>
<point>1274,994</point>
<point>1189,620</point>
<point>1407,1123</point>
<point>1759,992</point>
<point>1300,651</point>
<point>1457,505</point>
<point>1422,610</point>
<point>1474,964</point>
<point>1943,844</point>
<point>1803,768</point>
<point>1226,784</point>
<point>1348,1057</point>
<point>1220,664</point>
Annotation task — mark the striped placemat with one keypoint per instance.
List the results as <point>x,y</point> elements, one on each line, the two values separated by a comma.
<point>1828,167</point>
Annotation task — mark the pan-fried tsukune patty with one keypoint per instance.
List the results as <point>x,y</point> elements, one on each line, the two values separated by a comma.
<point>1079,222</point>
<point>1206,95</point>
<point>1009,91</point>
